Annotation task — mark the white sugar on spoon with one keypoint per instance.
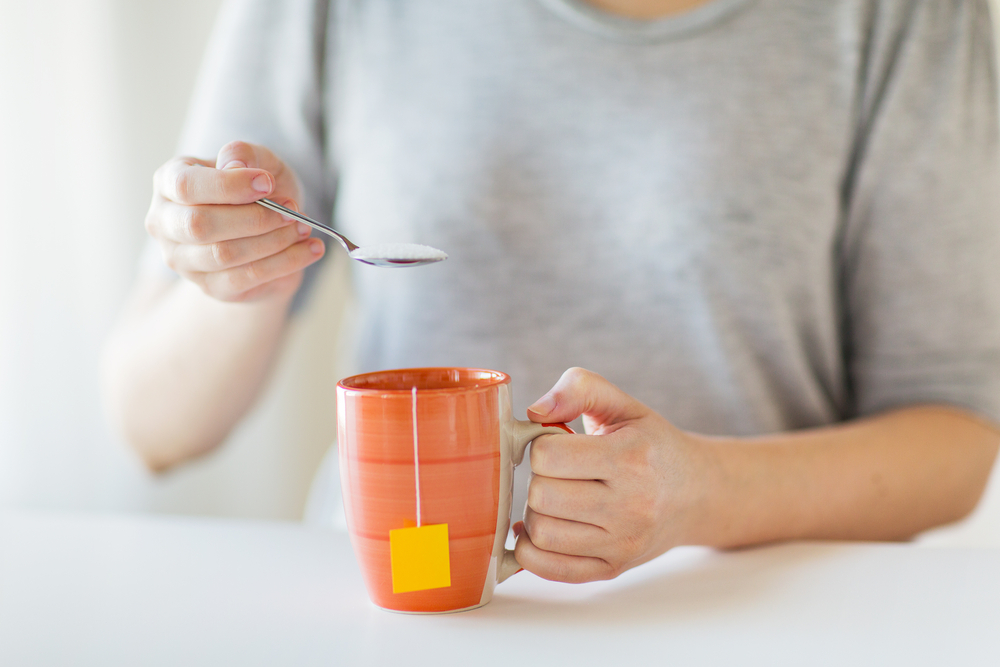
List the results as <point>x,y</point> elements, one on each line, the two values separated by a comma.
<point>387,255</point>
<point>398,253</point>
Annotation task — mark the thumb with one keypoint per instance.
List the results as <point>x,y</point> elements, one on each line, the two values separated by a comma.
<point>244,155</point>
<point>581,392</point>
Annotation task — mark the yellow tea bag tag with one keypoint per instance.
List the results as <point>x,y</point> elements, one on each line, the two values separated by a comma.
<point>419,558</point>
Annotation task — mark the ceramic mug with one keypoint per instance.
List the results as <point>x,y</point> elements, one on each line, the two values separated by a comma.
<point>440,455</point>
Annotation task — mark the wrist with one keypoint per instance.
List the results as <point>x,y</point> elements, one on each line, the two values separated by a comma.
<point>279,300</point>
<point>757,491</point>
<point>710,516</point>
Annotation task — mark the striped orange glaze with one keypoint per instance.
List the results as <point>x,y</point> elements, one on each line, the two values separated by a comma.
<point>459,435</point>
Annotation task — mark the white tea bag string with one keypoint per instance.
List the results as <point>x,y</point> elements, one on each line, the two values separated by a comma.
<point>419,556</point>
<point>416,455</point>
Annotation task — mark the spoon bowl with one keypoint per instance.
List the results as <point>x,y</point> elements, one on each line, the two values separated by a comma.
<point>395,263</point>
<point>391,256</point>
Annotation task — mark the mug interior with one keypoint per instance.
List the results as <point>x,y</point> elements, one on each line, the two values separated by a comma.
<point>424,379</point>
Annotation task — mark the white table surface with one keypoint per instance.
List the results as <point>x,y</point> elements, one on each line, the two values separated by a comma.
<point>115,590</point>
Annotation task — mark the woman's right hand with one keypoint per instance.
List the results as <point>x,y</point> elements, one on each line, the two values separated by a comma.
<point>212,233</point>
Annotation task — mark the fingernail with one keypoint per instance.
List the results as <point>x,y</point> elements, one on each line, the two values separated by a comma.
<point>262,183</point>
<point>304,229</point>
<point>316,246</point>
<point>518,529</point>
<point>543,406</point>
<point>235,164</point>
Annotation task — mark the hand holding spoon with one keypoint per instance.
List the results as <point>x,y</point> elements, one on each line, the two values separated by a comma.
<point>392,255</point>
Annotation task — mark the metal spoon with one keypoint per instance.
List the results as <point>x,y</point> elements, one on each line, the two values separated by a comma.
<point>385,262</point>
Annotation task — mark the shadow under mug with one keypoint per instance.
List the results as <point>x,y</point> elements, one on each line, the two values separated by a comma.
<point>469,443</point>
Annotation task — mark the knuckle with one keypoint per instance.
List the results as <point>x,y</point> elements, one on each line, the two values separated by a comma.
<point>543,534</point>
<point>522,553</point>
<point>543,539</point>
<point>535,494</point>
<point>241,297</point>
<point>564,572</point>
<point>638,459</point>
<point>577,375</point>
<point>236,147</point>
<point>242,151</point>
<point>611,570</point>
<point>251,271</point>
<point>208,287</point>
<point>290,236</point>
<point>221,290</point>
<point>182,185</point>
<point>576,380</point>
<point>196,224</point>
<point>537,457</point>
<point>224,254</point>
<point>261,220</point>
<point>559,572</point>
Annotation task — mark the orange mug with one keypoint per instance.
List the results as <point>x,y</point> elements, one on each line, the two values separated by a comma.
<point>427,460</point>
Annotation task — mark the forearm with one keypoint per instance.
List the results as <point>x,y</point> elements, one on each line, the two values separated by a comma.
<point>882,478</point>
<point>182,368</point>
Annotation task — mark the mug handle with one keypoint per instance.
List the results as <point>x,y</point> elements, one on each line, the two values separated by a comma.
<point>524,433</point>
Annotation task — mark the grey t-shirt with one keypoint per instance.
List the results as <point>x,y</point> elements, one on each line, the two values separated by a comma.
<point>758,216</point>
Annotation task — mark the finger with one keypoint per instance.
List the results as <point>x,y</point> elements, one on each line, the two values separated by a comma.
<point>234,284</point>
<point>572,538</point>
<point>573,457</point>
<point>571,499</point>
<point>228,254</point>
<point>190,181</point>
<point>210,223</point>
<point>581,392</point>
<point>558,566</point>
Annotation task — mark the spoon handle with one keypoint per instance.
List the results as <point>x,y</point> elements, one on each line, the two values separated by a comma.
<point>319,226</point>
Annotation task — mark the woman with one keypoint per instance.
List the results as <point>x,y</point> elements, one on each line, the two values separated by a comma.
<point>766,227</point>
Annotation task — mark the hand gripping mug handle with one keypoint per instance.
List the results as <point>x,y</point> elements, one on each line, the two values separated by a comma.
<point>524,432</point>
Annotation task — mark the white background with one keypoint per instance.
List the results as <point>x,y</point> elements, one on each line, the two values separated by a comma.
<point>92,97</point>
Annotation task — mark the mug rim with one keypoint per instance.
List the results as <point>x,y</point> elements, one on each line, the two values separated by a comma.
<point>497,378</point>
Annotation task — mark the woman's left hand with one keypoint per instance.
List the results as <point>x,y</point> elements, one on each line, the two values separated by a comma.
<point>602,503</point>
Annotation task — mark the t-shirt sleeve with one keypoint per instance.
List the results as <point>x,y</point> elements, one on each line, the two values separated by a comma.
<point>262,81</point>
<point>921,244</point>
